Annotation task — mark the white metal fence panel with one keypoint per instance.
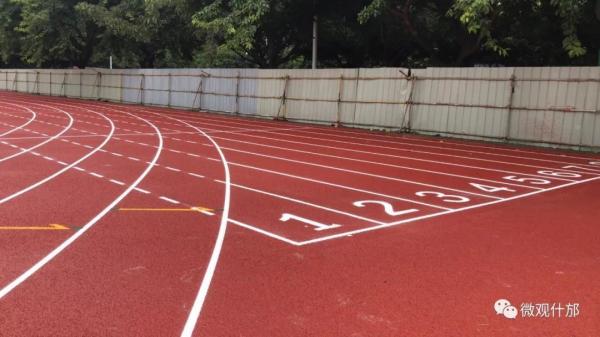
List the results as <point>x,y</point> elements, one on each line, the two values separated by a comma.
<point>463,101</point>
<point>381,97</point>
<point>312,95</point>
<point>541,105</point>
<point>132,81</point>
<point>556,105</point>
<point>219,90</point>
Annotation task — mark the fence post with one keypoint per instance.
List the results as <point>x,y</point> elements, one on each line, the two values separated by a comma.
<point>198,93</point>
<point>510,106</point>
<point>63,88</point>
<point>80,84</point>
<point>50,83</point>
<point>356,96</point>
<point>36,84</point>
<point>98,86</point>
<point>142,85</point>
<point>412,82</point>
<point>282,105</point>
<point>169,99</point>
<point>121,89</point>
<point>339,102</point>
<point>237,94</point>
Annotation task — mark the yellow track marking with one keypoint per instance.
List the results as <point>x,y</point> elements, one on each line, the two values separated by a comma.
<point>51,227</point>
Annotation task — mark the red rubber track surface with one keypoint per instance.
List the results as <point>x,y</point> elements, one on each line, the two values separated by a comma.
<point>331,231</point>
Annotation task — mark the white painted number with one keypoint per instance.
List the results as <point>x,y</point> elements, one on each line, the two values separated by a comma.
<point>389,209</point>
<point>491,189</point>
<point>533,181</point>
<point>560,174</point>
<point>318,226</point>
<point>444,197</point>
<point>580,168</point>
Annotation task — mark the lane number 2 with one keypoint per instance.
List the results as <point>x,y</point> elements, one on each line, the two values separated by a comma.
<point>388,208</point>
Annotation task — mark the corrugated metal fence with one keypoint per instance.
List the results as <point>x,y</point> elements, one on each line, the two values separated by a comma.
<point>546,105</point>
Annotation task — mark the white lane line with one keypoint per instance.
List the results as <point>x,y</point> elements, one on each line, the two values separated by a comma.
<point>116,154</point>
<point>172,169</point>
<point>406,144</point>
<point>194,314</point>
<point>63,170</point>
<point>273,130</point>
<point>48,158</point>
<point>229,120</point>
<point>65,129</point>
<point>96,175</point>
<point>133,158</point>
<point>363,230</point>
<point>61,162</point>
<point>17,128</point>
<point>169,200</point>
<point>264,232</point>
<point>142,190</point>
<point>450,141</point>
<point>379,163</point>
<point>41,263</point>
<point>305,203</point>
<point>195,175</point>
<point>423,152</point>
<point>117,182</point>
<point>78,168</point>
<point>337,185</point>
<point>363,173</point>
<point>388,155</point>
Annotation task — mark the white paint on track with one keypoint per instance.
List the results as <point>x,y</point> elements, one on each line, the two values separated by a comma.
<point>33,117</point>
<point>194,314</point>
<point>64,169</point>
<point>41,263</point>
<point>42,143</point>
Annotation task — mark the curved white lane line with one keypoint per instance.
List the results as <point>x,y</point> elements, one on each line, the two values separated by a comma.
<point>42,143</point>
<point>41,263</point>
<point>194,314</point>
<point>33,117</point>
<point>63,170</point>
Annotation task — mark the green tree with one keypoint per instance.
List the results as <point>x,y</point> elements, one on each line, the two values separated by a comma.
<point>53,34</point>
<point>152,33</point>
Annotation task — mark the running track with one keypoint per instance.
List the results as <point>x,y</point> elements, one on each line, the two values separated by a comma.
<point>123,220</point>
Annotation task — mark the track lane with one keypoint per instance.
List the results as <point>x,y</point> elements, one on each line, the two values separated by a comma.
<point>446,144</point>
<point>558,172</point>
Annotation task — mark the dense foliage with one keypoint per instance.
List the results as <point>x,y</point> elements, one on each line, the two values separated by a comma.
<point>278,33</point>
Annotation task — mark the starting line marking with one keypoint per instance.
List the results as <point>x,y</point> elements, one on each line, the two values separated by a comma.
<point>51,227</point>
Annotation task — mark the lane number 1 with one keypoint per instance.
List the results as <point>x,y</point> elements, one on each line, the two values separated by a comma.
<point>318,226</point>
